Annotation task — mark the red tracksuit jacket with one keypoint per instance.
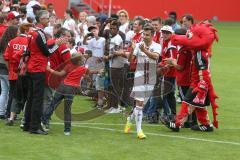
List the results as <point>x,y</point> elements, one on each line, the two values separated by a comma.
<point>39,51</point>
<point>169,51</point>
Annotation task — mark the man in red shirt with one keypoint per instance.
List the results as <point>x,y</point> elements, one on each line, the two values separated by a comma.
<point>183,67</point>
<point>13,18</point>
<point>36,66</point>
<point>135,35</point>
<point>61,55</point>
<point>168,72</point>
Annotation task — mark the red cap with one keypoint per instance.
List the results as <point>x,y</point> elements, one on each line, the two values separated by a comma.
<point>13,15</point>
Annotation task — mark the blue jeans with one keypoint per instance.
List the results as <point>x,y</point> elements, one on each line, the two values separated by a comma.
<point>151,106</point>
<point>4,93</point>
<point>168,96</point>
<point>47,98</point>
<point>57,98</point>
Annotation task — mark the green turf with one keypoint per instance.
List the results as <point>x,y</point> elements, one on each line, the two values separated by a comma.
<point>99,141</point>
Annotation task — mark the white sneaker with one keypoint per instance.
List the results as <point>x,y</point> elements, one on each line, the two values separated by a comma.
<point>67,133</point>
<point>45,127</point>
<point>116,110</point>
<point>109,110</point>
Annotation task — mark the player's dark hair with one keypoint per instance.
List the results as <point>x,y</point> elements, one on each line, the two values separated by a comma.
<point>189,17</point>
<point>157,19</point>
<point>9,34</point>
<point>149,27</point>
<point>61,32</point>
<point>69,12</point>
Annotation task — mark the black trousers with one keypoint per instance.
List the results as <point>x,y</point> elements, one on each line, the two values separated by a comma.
<point>117,85</point>
<point>19,95</point>
<point>192,118</point>
<point>34,106</point>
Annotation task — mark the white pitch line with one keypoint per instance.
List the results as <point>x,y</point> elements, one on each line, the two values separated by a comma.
<point>116,124</point>
<point>147,125</point>
<point>158,134</point>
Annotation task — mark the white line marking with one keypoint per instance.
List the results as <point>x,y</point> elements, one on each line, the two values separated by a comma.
<point>121,124</point>
<point>116,124</point>
<point>157,134</point>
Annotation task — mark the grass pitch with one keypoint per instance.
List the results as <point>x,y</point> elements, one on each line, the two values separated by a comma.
<point>102,138</point>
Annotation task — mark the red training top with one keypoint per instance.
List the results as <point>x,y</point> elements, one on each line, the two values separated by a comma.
<point>39,51</point>
<point>183,76</point>
<point>74,74</point>
<point>15,45</point>
<point>169,51</point>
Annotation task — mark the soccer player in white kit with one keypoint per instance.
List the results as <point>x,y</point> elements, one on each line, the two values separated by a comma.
<point>147,53</point>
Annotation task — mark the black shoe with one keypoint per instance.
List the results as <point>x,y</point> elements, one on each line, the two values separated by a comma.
<point>39,131</point>
<point>9,122</point>
<point>173,126</point>
<point>153,120</point>
<point>203,128</point>
<point>164,119</point>
<point>24,128</point>
<point>187,125</point>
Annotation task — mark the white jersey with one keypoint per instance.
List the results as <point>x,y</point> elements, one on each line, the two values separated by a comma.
<point>97,46</point>
<point>145,74</point>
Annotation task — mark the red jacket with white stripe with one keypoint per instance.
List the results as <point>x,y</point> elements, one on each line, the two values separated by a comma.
<point>39,51</point>
<point>168,51</point>
<point>61,55</point>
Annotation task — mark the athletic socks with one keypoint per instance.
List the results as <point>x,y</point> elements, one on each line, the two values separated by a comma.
<point>131,117</point>
<point>138,117</point>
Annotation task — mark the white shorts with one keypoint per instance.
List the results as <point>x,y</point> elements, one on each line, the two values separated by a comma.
<point>142,92</point>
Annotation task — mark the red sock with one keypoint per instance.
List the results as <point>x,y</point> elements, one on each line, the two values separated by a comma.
<point>202,115</point>
<point>182,115</point>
